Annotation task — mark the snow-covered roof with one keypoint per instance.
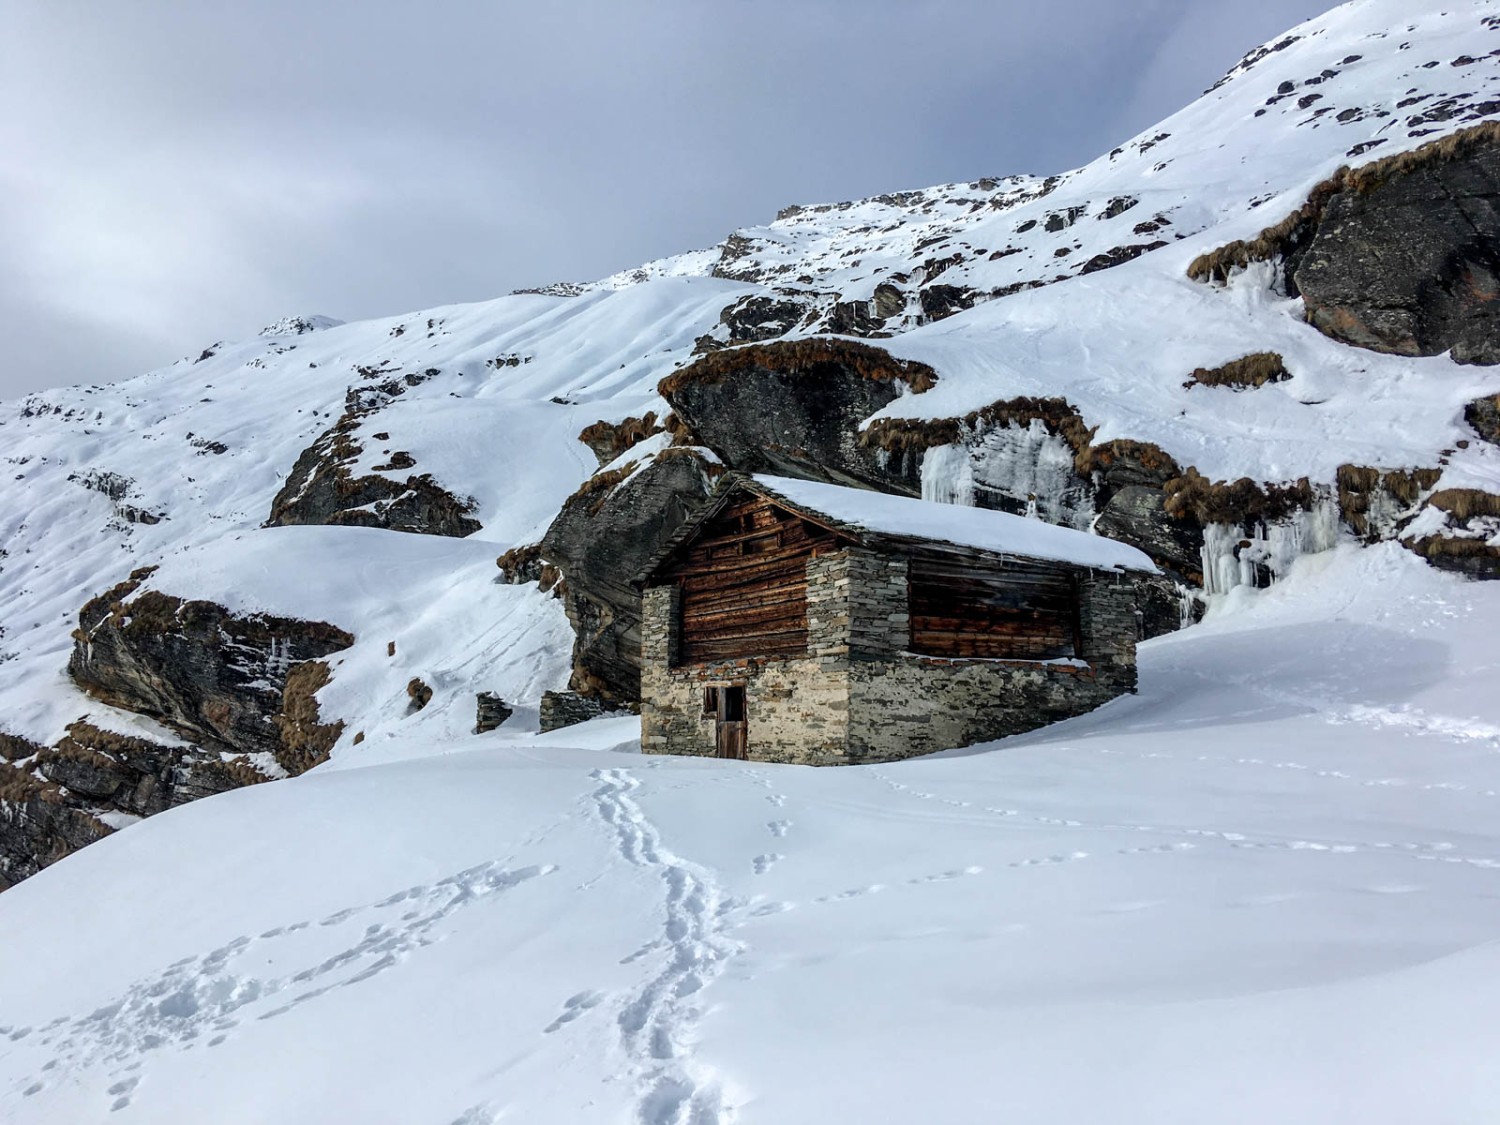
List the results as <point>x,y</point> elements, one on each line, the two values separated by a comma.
<point>979,528</point>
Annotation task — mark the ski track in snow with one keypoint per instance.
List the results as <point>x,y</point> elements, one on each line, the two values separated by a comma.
<point>202,999</point>
<point>657,1022</point>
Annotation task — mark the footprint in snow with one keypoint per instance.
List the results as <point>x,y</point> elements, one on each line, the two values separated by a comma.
<point>764,863</point>
<point>778,828</point>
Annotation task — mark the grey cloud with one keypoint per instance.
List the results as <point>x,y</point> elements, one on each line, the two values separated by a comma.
<point>175,174</point>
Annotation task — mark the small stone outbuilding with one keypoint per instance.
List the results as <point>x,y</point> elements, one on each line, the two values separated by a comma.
<point>798,622</point>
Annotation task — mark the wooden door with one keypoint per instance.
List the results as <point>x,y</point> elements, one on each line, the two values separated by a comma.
<point>729,730</point>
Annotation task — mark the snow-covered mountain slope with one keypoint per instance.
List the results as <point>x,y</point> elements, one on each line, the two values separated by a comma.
<point>1263,890</point>
<point>1366,78</point>
<point>488,398</point>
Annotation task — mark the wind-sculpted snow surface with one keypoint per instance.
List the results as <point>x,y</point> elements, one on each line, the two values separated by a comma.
<point>1261,891</point>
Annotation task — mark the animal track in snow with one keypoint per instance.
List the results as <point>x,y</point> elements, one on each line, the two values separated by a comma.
<point>778,828</point>
<point>764,863</point>
<point>203,998</point>
<point>657,1020</point>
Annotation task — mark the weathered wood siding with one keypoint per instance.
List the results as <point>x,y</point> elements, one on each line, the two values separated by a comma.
<point>968,608</point>
<point>744,583</point>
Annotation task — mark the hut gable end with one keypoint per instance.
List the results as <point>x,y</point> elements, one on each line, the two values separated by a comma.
<point>743,581</point>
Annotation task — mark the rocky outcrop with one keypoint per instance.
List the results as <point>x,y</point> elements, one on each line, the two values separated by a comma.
<point>1400,255</point>
<point>607,440</point>
<point>322,488</point>
<point>793,408</point>
<point>601,540</point>
<point>56,801</point>
<point>756,319</point>
<point>39,825</point>
<point>1459,538</point>
<point>214,677</point>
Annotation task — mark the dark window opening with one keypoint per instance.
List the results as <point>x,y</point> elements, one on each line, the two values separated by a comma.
<point>710,701</point>
<point>732,705</point>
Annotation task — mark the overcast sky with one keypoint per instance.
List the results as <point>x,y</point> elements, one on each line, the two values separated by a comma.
<point>176,173</point>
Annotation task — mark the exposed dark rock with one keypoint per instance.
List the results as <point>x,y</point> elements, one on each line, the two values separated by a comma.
<point>1136,514</point>
<point>751,320</point>
<point>321,489</point>
<point>888,301</point>
<point>1483,415</point>
<point>940,301</point>
<point>1118,206</point>
<point>567,708</point>
<point>1412,264</point>
<point>792,408</point>
<point>213,677</point>
<point>854,318</point>
<point>1120,254</point>
<point>39,826</point>
<point>490,711</point>
<point>602,538</point>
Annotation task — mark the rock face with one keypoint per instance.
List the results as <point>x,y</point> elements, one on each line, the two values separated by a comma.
<point>601,540</point>
<point>1411,265</point>
<point>53,805</point>
<point>322,489</point>
<point>39,826</point>
<point>793,408</point>
<point>215,678</point>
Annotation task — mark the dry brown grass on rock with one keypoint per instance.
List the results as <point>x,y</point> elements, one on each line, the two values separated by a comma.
<point>18,785</point>
<point>902,435</point>
<point>1466,503</point>
<point>610,439</point>
<point>1194,496</point>
<point>1218,264</point>
<point>306,740</point>
<point>1249,371</point>
<point>1147,455</point>
<point>802,357</point>
<point>1358,486</point>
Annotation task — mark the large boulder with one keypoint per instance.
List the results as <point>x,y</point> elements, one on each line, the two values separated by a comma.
<point>216,678</point>
<point>1399,255</point>
<point>794,408</point>
<point>601,541</point>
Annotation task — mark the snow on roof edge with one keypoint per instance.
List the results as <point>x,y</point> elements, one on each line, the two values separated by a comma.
<point>980,528</point>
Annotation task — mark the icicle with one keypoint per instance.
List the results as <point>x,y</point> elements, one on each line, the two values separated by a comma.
<point>948,475</point>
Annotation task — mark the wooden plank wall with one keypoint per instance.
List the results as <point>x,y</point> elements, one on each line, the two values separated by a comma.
<point>744,583</point>
<point>968,608</point>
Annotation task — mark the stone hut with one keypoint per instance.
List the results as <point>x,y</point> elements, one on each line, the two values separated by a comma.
<point>798,622</point>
